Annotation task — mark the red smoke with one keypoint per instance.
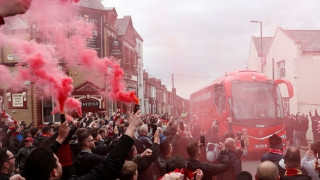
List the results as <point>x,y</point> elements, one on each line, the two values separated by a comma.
<point>72,104</point>
<point>66,39</point>
<point>88,59</point>
<point>64,91</point>
<point>76,1</point>
<point>117,84</point>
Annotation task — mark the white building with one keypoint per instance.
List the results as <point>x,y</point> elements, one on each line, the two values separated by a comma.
<point>293,55</point>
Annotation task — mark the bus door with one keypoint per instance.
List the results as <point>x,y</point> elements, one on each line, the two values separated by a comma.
<point>220,105</point>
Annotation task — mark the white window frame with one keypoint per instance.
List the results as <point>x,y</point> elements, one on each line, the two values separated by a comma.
<point>281,69</point>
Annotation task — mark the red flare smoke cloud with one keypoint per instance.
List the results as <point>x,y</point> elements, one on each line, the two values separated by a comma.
<point>38,62</point>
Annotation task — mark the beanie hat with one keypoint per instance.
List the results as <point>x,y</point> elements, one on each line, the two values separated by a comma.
<point>275,140</point>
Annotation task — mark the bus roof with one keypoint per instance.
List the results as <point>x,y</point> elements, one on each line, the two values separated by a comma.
<point>243,75</point>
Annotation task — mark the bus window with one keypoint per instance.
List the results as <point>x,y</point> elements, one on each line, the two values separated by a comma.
<point>219,98</point>
<point>254,100</point>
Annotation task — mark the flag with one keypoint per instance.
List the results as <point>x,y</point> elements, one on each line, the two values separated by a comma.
<point>7,116</point>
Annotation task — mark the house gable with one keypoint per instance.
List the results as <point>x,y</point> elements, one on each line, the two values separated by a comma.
<point>111,16</point>
<point>125,29</point>
<point>86,88</point>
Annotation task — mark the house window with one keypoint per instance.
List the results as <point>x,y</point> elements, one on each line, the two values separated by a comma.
<point>286,105</point>
<point>281,69</point>
<point>47,108</point>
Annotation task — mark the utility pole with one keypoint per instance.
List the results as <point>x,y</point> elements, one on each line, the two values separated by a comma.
<point>172,81</point>
<point>261,51</point>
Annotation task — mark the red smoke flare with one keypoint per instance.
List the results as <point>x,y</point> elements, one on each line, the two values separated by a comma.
<point>117,87</point>
<point>63,91</point>
<point>72,104</point>
<point>76,1</point>
<point>39,62</point>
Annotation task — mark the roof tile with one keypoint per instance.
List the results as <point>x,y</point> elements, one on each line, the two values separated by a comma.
<point>309,39</point>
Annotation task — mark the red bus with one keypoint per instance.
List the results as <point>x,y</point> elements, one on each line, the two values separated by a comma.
<point>243,100</point>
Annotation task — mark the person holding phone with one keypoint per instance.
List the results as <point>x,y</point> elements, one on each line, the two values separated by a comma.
<point>146,167</point>
<point>235,166</point>
<point>310,162</point>
<point>208,169</point>
<point>179,142</point>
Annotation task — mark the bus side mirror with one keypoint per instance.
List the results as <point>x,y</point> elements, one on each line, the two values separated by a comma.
<point>288,84</point>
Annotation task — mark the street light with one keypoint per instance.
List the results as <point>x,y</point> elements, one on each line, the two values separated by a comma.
<point>261,55</point>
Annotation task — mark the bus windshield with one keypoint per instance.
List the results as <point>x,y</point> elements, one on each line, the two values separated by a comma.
<point>255,100</point>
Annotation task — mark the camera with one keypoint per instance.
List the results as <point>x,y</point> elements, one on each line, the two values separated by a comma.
<point>136,108</point>
<point>154,129</point>
<point>242,144</point>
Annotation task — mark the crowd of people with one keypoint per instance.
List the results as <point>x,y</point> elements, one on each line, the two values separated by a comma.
<point>298,125</point>
<point>147,147</point>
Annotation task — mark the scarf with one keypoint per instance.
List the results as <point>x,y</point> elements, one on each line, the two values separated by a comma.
<point>292,172</point>
<point>45,135</point>
<point>275,151</point>
<point>178,174</point>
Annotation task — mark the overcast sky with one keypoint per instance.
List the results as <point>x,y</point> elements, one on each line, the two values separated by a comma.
<point>199,40</point>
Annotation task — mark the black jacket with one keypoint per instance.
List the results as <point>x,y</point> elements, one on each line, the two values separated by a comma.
<point>273,157</point>
<point>208,169</point>
<point>4,176</point>
<point>86,161</point>
<point>111,167</point>
<point>22,156</point>
<point>296,177</point>
<point>144,163</point>
<point>235,167</point>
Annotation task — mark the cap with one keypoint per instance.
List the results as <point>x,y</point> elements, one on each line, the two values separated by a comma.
<point>30,139</point>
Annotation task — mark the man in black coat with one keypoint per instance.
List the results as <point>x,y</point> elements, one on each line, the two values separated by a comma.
<point>208,169</point>
<point>275,153</point>
<point>234,163</point>
<point>86,160</point>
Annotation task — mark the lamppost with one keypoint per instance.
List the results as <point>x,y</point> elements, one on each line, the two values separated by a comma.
<point>261,55</point>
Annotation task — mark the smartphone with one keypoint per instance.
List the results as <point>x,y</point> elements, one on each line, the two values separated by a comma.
<point>181,126</point>
<point>242,144</point>
<point>136,108</point>
<point>113,125</point>
<point>62,118</point>
<point>202,140</point>
<point>238,135</point>
<point>154,129</point>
